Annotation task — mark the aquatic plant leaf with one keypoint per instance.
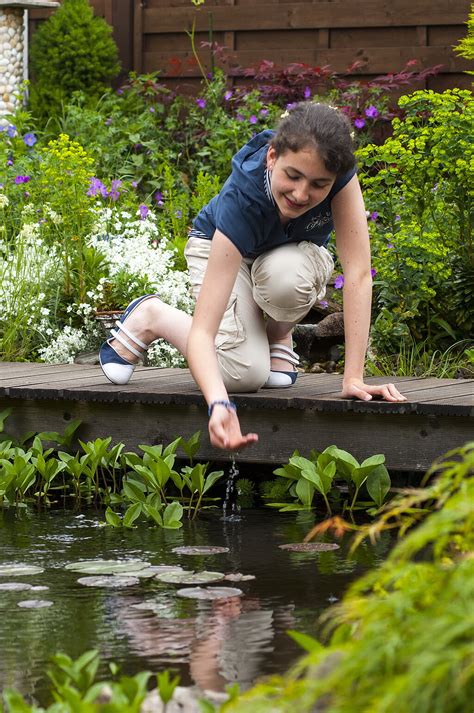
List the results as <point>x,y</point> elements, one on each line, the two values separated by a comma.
<point>108,566</point>
<point>378,484</point>
<point>209,592</point>
<point>35,604</point>
<point>18,570</point>
<point>238,577</point>
<point>158,568</point>
<point>39,588</point>
<point>200,550</point>
<point>310,546</point>
<point>14,586</point>
<point>190,577</point>
<point>108,581</point>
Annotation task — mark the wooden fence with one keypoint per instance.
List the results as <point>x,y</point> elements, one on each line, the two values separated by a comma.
<point>381,34</point>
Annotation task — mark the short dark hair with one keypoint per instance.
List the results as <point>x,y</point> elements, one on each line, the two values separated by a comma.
<point>326,128</point>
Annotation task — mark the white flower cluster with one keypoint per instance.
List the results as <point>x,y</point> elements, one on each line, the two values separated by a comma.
<point>26,273</point>
<point>62,350</point>
<point>161,353</point>
<point>135,244</point>
<point>3,200</point>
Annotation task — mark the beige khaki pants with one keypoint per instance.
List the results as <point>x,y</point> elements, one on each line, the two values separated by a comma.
<point>283,283</point>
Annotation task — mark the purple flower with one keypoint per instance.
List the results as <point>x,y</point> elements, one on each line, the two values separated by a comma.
<point>324,304</point>
<point>291,106</point>
<point>307,92</point>
<point>373,216</point>
<point>228,95</point>
<point>371,112</point>
<point>30,139</point>
<point>264,112</point>
<point>240,117</point>
<point>390,246</point>
<point>134,184</point>
<point>373,272</point>
<point>339,282</point>
<point>22,179</point>
<point>178,213</point>
<point>397,218</point>
<point>201,103</point>
<point>11,131</point>
<point>359,123</point>
<point>9,162</point>
<point>114,192</point>
<point>151,110</point>
<point>96,186</point>
<point>119,91</point>
<point>253,119</point>
<point>143,211</point>
<point>108,121</point>
<point>159,197</point>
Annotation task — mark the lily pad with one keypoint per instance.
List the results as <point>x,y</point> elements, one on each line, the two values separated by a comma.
<point>39,588</point>
<point>200,550</point>
<point>209,592</point>
<point>190,577</point>
<point>310,546</point>
<point>35,604</point>
<point>108,566</point>
<point>109,581</point>
<point>14,586</point>
<point>19,570</point>
<point>238,577</point>
<point>159,568</point>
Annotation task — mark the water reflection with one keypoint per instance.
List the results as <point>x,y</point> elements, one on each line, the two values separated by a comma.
<point>211,643</point>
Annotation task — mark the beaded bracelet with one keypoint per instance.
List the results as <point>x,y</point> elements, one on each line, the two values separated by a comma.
<point>228,404</point>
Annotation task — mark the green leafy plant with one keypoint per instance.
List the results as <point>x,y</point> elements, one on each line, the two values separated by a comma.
<point>72,50</point>
<point>417,187</point>
<point>306,477</point>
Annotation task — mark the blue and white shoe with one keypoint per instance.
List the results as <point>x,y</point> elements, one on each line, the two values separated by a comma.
<point>117,369</point>
<point>282,379</point>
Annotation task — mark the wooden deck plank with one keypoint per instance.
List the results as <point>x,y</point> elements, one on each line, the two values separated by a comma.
<point>159,404</point>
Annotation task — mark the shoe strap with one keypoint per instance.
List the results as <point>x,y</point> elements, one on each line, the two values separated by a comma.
<point>116,335</point>
<point>280,351</point>
<point>134,339</point>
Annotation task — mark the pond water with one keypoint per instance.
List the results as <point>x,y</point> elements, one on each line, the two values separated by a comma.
<point>210,643</point>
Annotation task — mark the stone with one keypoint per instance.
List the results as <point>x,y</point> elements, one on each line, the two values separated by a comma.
<point>184,700</point>
<point>87,358</point>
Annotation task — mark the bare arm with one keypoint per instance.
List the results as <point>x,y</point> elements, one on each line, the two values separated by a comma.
<point>222,268</point>
<point>353,247</point>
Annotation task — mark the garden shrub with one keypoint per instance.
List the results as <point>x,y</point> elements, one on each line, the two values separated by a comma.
<point>418,190</point>
<point>71,51</point>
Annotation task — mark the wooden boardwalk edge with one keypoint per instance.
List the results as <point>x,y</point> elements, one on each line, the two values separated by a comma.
<point>160,404</point>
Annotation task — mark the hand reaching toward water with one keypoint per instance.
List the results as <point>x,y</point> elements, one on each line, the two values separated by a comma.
<point>224,430</point>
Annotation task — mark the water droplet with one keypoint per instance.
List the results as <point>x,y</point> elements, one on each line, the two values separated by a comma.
<point>230,507</point>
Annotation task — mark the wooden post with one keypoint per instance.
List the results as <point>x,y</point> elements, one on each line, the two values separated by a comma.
<point>138,35</point>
